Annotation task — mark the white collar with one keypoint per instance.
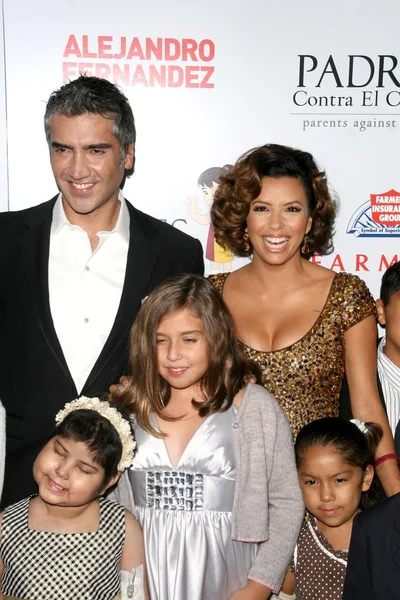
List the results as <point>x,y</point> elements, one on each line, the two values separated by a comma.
<point>60,218</point>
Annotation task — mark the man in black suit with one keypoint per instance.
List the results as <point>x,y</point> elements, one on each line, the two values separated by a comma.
<point>74,271</point>
<point>373,568</point>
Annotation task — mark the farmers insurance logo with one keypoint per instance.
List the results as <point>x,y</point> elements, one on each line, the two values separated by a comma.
<point>378,217</point>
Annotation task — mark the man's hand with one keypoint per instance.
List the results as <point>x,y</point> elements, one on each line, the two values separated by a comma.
<point>117,389</point>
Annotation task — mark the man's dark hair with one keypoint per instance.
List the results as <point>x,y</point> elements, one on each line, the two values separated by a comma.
<point>390,283</point>
<point>95,96</point>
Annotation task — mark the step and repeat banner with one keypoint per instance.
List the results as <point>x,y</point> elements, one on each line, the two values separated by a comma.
<point>207,81</point>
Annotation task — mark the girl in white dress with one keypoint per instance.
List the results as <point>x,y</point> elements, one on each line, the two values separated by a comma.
<point>213,483</point>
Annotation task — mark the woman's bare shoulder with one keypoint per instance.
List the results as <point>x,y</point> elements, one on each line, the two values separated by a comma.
<point>318,273</point>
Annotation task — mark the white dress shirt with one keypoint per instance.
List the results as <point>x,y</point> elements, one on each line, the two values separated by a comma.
<point>389,375</point>
<point>85,287</point>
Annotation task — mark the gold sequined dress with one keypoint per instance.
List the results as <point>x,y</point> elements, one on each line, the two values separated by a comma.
<point>306,377</point>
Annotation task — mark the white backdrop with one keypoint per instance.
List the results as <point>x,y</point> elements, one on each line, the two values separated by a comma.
<point>228,75</point>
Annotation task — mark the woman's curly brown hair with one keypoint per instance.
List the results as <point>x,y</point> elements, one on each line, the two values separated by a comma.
<point>242,184</point>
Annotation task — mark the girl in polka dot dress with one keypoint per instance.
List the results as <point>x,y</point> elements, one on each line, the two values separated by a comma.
<point>334,462</point>
<point>69,542</point>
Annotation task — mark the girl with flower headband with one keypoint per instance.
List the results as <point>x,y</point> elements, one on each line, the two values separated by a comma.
<point>335,461</point>
<point>69,542</point>
<point>213,483</point>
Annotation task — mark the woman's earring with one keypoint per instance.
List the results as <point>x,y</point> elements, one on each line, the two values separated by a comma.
<point>305,249</point>
<point>246,245</point>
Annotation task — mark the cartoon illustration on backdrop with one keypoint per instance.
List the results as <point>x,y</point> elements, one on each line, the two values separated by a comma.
<point>221,260</point>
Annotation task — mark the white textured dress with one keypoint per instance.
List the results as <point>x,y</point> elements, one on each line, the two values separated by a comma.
<point>186,514</point>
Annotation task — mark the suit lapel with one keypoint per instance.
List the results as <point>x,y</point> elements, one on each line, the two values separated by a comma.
<point>34,245</point>
<point>143,254</point>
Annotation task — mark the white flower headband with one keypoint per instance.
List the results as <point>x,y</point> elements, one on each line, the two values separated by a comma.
<point>360,424</point>
<point>109,412</point>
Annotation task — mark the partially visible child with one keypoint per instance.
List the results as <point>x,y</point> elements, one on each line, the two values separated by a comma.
<point>69,542</point>
<point>334,461</point>
<point>388,306</point>
<point>214,482</point>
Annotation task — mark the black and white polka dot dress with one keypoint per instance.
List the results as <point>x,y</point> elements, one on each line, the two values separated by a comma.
<point>41,565</point>
<point>319,569</point>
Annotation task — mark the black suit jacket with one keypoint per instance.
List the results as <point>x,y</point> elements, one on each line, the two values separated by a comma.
<point>373,569</point>
<point>34,378</point>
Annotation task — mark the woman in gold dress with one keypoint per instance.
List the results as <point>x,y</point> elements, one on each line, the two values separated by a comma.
<point>304,324</point>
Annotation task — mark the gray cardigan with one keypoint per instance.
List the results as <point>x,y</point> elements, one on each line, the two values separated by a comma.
<point>268,506</point>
